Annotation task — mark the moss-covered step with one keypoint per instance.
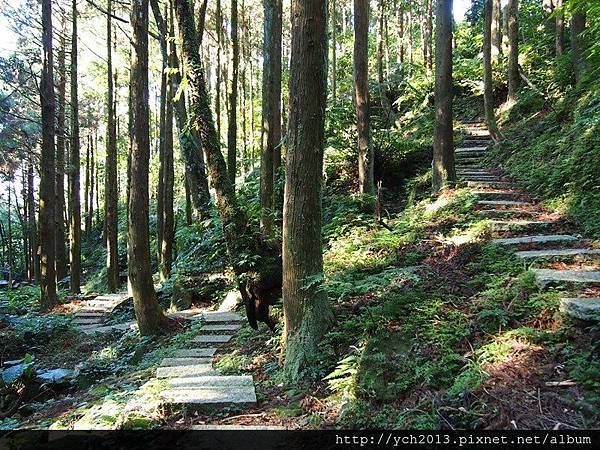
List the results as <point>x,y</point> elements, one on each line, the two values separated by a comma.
<point>166,362</point>
<point>503,203</point>
<point>226,381</point>
<point>195,353</point>
<point>508,225</point>
<point>546,277</point>
<point>536,239</point>
<point>557,253</point>
<point>196,370</point>
<point>217,396</point>
<point>581,308</point>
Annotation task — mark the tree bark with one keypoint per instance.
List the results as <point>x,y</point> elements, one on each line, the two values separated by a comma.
<point>386,106</point>
<point>429,36</point>
<point>559,29</point>
<point>400,47</point>
<point>32,227</point>
<point>232,123</point>
<point>219,32</point>
<point>512,12</point>
<point>47,215</point>
<point>496,31</point>
<point>271,110</point>
<point>488,91</point>
<point>111,189</point>
<point>306,310</point>
<point>443,145</point>
<point>86,187</point>
<point>75,225</point>
<point>366,182</point>
<point>149,315</point>
<point>61,255</point>
<point>578,45</point>
<point>333,50</point>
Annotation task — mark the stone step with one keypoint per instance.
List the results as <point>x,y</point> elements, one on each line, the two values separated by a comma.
<point>222,317</point>
<point>236,427</point>
<point>92,321</point>
<point>210,396</point>
<point>89,314</point>
<point>508,225</point>
<point>473,177</point>
<point>169,362</point>
<point>546,277</point>
<point>496,192</point>
<point>503,213</point>
<point>538,239</point>
<point>195,353</point>
<point>196,370</point>
<point>503,203</point>
<point>532,254</point>
<point>211,381</point>
<point>471,149</point>
<point>221,327</point>
<point>212,338</point>
<point>581,308</point>
<point>491,184</point>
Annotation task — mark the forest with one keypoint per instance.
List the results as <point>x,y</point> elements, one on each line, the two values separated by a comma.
<point>299,215</point>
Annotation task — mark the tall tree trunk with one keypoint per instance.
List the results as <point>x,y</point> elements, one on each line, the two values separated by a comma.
<point>514,77</point>
<point>306,311</point>
<point>25,222</point>
<point>559,40</point>
<point>429,36</point>
<point>47,215</point>
<point>443,145</point>
<point>32,227</point>
<point>110,168</point>
<point>488,92</point>
<point>333,50</point>
<point>61,256</point>
<point>232,123</point>
<point>168,235</point>
<point>75,225</point>
<point>149,315</point>
<point>86,188</point>
<point>578,45</point>
<point>9,238</point>
<point>409,30</point>
<point>93,181</point>
<point>496,31</point>
<point>386,106</point>
<point>271,110</point>
<point>400,48</point>
<point>219,30</point>
<point>366,183</point>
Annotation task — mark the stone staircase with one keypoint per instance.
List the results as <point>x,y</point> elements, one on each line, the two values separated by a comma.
<point>515,218</point>
<point>190,377</point>
<point>93,313</point>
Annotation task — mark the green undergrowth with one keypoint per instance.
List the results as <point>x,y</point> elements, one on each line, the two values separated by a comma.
<point>554,151</point>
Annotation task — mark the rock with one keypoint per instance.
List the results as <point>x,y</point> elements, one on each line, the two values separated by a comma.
<point>56,376</point>
<point>100,417</point>
<point>201,288</point>
<point>581,308</point>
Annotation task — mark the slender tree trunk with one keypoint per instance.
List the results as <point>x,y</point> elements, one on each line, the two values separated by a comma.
<point>306,311</point>
<point>429,36</point>
<point>514,77</point>
<point>409,30</point>
<point>578,45</point>
<point>219,30</point>
<point>110,168</point>
<point>366,182</point>
<point>25,222</point>
<point>379,54</point>
<point>271,110</point>
<point>168,235</point>
<point>400,48</point>
<point>232,123</point>
<point>75,225</point>
<point>443,145</point>
<point>386,107</point>
<point>488,92</point>
<point>86,188</point>
<point>47,215</point>
<point>160,191</point>
<point>559,28</point>
<point>496,31</point>
<point>9,238</point>
<point>333,50</point>
<point>32,227</point>
<point>93,181</point>
<point>61,255</point>
<point>188,202</point>
<point>149,315</point>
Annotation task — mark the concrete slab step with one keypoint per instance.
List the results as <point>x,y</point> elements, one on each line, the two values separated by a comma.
<point>471,149</point>
<point>491,184</point>
<point>92,321</point>
<point>236,427</point>
<point>212,338</point>
<point>195,353</point>
<point>171,362</point>
<point>533,254</point>
<point>538,239</point>
<point>211,381</point>
<point>503,203</point>
<point>215,396</point>
<point>88,314</point>
<point>508,225</point>
<point>222,317</point>
<point>221,327</point>
<point>196,370</point>
<point>583,308</point>
<point>546,277</point>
